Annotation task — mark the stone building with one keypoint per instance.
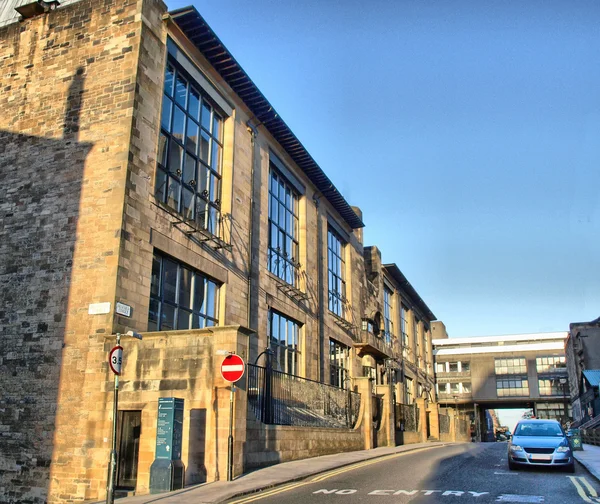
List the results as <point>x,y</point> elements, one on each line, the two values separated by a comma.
<point>146,184</point>
<point>582,350</point>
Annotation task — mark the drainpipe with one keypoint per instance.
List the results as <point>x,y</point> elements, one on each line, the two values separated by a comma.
<point>252,129</point>
<point>321,308</point>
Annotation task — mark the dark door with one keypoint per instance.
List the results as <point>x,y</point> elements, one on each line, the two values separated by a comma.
<point>130,423</point>
<point>428,425</point>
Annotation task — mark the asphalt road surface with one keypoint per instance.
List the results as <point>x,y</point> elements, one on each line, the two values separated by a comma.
<point>457,474</point>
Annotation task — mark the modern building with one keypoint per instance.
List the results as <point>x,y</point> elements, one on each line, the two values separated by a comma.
<point>583,364</point>
<point>147,185</point>
<point>495,372</point>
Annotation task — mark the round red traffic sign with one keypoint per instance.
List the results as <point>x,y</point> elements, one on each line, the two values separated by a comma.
<point>232,368</point>
<point>115,359</point>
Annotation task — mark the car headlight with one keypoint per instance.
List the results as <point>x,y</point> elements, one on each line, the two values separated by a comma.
<point>515,448</point>
<point>562,449</point>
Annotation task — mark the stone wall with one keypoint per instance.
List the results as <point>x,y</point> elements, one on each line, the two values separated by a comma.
<point>67,80</point>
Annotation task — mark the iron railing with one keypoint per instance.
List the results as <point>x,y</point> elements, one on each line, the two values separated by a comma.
<point>444,424</point>
<point>591,436</point>
<point>282,399</point>
<point>407,416</point>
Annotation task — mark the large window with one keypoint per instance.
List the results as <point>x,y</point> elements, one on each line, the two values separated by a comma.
<point>188,175</point>
<point>404,329</point>
<point>549,364</point>
<point>180,297</point>
<point>336,268</point>
<point>284,335</point>
<point>283,229</point>
<point>511,366</point>
<point>416,338</point>
<point>552,388</point>
<point>512,387</point>
<point>388,314</point>
<point>408,390</point>
<point>338,364</point>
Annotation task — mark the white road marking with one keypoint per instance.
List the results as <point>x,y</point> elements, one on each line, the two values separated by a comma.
<point>520,498</point>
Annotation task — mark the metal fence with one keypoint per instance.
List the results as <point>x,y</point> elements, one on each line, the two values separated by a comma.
<point>444,424</point>
<point>282,399</point>
<point>407,417</point>
<point>591,436</point>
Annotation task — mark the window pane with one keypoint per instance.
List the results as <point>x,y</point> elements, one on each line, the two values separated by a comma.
<point>217,124</point>
<point>183,319</point>
<point>199,294</point>
<point>216,157</point>
<point>178,124</point>
<point>160,190</point>
<point>155,279</point>
<point>206,118</point>
<point>165,118</point>
<point>167,317</point>
<point>189,169</point>
<point>173,195</point>
<point>169,79</point>
<point>204,146</point>
<point>153,315</point>
<point>194,104</point>
<point>211,299</point>
<point>162,149</point>
<point>193,131</point>
<point>169,281</point>
<point>175,157</point>
<point>185,288</point>
<point>181,91</point>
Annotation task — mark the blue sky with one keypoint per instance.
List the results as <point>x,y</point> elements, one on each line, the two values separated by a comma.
<point>468,132</point>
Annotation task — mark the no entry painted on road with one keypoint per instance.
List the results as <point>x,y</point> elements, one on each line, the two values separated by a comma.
<point>232,368</point>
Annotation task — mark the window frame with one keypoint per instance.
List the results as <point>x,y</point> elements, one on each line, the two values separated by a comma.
<point>336,273</point>
<point>339,364</point>
<point>189,173</point>
<point>388,313</point>
<point>160,299</point>
<point>290,350</point>
<point>289,233</point>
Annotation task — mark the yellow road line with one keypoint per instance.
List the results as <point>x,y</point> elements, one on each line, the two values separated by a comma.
<point>580,489</point>
<point>267,493</point>
<point>274,491</point>
<point>590,488</point>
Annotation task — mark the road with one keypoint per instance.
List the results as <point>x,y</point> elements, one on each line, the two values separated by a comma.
<point>467,473</point>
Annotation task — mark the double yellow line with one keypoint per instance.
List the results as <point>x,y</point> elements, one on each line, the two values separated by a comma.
<point>580,482</point>
<point>322,477</point>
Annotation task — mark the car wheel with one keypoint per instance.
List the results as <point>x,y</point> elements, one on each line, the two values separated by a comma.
<point>511,465</point>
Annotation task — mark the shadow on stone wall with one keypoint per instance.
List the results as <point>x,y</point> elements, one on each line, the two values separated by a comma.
<point>40,185</point>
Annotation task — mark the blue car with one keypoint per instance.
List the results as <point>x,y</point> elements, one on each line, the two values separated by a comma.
<point>541,443</point>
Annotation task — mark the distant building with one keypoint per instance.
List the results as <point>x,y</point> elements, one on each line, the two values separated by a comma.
<point>582,350</point>
<point>495,372</point>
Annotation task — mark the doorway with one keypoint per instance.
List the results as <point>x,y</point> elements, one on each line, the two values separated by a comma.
<point>130,423</point>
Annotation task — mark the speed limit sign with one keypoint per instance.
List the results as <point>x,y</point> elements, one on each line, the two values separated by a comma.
<point>115,359</point>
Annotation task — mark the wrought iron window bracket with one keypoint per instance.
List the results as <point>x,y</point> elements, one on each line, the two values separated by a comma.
<point>189,228</point>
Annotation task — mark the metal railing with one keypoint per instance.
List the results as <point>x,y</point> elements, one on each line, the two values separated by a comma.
<point>444,424</point>
<point>407,416</point>
<point>590,436</point>
<point>282,399</point>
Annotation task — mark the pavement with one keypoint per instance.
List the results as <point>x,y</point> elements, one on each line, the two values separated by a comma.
<point>269,477</point>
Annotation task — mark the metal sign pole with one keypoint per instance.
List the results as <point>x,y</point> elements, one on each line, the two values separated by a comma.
<point>230,438</point>
<point>112,475</point>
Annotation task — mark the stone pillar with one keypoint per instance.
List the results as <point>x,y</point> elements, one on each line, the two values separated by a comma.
<point>434,420</point>
<point>422,405</point>
<point>453,419</point>
<point>387,416</point>
<point>236,342</point>
<point>364,387</point>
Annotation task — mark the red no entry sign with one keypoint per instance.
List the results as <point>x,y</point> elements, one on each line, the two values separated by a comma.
<point>232,368</point>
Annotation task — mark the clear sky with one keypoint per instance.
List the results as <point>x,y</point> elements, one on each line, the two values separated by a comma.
<point>468,132</point>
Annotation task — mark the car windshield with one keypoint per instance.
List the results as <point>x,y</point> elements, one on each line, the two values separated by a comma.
<point>542,429</point>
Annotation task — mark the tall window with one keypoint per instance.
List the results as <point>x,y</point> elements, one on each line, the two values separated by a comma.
<point>387,315</point>
<point>284,336</point>
<point>180,297</point>
<point>338,364</point>
<point>283,229</point>
<point>511,366</point>
<point>188,175</point>
<point>408,390</point>
<point>404,328</point>
<point>416,337</point>
<point>336,271</point>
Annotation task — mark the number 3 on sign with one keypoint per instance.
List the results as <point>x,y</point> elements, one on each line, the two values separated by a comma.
<point>115,359</point>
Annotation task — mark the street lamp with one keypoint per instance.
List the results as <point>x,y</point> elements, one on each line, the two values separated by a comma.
<point>115,362</point>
